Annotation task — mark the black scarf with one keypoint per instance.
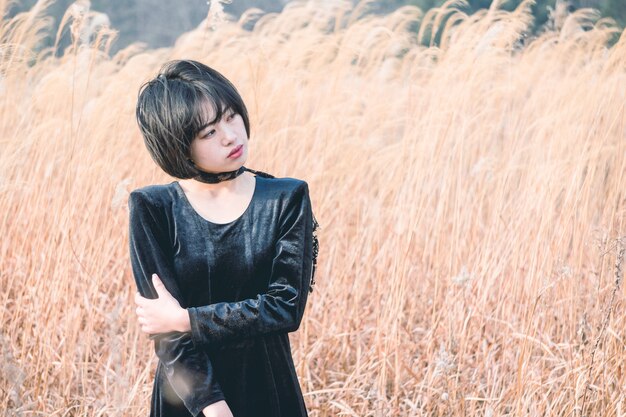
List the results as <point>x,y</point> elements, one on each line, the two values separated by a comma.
<point>212,178</point>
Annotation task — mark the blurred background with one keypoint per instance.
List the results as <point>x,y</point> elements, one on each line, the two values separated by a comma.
<point>467,167</point>
<point>158,23</point>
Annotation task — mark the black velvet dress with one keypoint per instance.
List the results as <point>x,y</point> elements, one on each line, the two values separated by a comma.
<point>245,285</point>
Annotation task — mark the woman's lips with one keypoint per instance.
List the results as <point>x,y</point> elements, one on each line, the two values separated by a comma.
<point>236,152</point>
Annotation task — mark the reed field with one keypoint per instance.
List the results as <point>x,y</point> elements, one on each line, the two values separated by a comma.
<point>471,196</point>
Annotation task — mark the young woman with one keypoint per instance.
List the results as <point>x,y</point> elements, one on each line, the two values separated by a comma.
<point>223,258</point>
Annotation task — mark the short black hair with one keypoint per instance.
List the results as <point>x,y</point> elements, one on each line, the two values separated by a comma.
<point>170,111</point>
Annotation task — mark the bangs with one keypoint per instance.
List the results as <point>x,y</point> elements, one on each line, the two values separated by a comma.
<point>219,102</point>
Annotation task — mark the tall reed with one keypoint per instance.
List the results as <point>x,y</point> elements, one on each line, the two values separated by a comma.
<point>471,196</point>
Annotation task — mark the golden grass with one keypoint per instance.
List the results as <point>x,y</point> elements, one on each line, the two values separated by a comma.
<point>470,197</point>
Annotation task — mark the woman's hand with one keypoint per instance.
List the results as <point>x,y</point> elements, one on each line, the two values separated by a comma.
<point>163,314</point>
<point>218,409</point>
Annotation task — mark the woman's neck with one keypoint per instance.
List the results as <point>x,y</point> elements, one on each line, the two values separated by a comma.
<point>229,187</point>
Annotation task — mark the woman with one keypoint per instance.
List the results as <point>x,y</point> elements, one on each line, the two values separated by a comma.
<point>223,258</point>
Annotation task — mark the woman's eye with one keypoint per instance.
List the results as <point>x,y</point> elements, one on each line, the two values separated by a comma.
<point>232,116</point>
<point>209,134</point>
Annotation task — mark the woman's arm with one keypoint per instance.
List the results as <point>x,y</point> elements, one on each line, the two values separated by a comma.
<point>218,409</point>
<point>279,309</point>
<point>188,369</point>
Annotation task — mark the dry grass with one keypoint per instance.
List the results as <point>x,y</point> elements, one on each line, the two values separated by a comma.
<point>470,197</point>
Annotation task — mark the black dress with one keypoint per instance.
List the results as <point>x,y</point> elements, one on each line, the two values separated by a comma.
<point>245,285</point>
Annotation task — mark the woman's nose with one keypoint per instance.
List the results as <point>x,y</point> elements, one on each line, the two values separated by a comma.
<point>229,134</point>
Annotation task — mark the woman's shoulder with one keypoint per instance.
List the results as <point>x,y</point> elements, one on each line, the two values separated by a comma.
<point>155,195</point>
<point>284,187</point>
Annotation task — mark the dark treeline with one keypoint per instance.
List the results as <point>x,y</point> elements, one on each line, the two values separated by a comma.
<point>612,8</point>
<point>158,23</point>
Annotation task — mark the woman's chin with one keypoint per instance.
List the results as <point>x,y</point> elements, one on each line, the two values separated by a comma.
<point>241,161</point>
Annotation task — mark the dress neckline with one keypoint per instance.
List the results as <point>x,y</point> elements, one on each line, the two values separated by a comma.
<point>186,201</point>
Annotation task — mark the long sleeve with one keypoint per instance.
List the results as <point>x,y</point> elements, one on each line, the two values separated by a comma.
<point>188,369</point>
<point>281,307</point>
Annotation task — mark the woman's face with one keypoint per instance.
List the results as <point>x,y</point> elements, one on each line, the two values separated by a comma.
<point>222,146</point>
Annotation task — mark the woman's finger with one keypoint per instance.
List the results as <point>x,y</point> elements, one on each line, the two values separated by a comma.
<point>158,286</point>
<point>139,300</point>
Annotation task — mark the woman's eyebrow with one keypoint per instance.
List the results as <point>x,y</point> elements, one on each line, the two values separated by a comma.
<point>204,126</point>
<point>208,124</point>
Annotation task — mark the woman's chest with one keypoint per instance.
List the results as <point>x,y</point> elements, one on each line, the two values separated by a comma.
<point>216,263</point>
